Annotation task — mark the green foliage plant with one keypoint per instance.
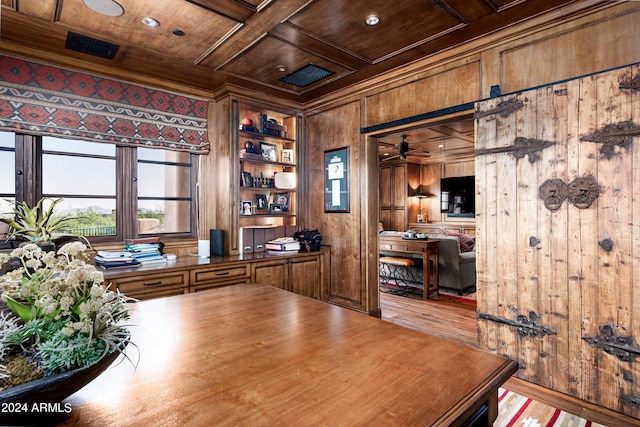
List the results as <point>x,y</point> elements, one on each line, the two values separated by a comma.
<point>67,318</point>
<point>35,224</point>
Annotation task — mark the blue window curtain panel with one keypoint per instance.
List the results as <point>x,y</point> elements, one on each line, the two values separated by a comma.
<point>45,100</point>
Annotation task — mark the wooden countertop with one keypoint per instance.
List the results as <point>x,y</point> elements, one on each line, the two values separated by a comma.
<point>260,356</point>
<point>192,262</point>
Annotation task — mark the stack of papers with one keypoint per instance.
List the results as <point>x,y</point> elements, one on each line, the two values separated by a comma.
<point>283,244</point>
<point>145,253</point>
<point>108,259</point>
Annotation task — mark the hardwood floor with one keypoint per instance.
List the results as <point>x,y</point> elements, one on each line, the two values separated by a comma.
<point>456,321</point>
<point>441,317</point>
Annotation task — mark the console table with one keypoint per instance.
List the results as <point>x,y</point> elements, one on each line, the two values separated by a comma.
<point>423,248</point>
<point>256,355</point>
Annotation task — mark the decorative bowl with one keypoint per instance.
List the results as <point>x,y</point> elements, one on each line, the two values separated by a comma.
<point>56,388</point>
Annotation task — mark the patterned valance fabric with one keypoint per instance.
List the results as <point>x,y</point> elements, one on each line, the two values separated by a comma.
<point>42,99</point>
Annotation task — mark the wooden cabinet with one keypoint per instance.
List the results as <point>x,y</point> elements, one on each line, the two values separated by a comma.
<point>301,275</point>
<point>201,279</point>
<point>152,285</point>
<point>305,275</point>
<point>398,181</point>
<point>272,273</point>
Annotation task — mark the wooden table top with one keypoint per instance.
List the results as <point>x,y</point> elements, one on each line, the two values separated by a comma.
<point>260,356</point>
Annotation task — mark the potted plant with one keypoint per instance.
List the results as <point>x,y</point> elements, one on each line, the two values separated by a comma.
<point>59,326</point>
<point>37,225</point>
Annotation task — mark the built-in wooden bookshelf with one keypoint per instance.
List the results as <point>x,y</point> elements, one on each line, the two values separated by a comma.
<point>268,168</point>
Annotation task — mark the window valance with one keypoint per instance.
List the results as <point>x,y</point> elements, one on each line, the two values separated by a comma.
<point>41,99</point>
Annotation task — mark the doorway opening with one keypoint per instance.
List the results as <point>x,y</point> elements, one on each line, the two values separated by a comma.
<point>434,150</point>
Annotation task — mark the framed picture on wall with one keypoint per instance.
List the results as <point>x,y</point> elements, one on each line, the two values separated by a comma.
<point>336,180</point>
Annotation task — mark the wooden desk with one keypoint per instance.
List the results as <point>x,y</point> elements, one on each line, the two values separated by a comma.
<point>426,249</point>
<point>255,355</point>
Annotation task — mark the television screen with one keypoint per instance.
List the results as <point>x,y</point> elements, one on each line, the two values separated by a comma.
<point>457,196</point>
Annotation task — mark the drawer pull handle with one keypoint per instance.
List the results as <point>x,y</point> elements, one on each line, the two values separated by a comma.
<point>222,274</point>
<point>153,283</point>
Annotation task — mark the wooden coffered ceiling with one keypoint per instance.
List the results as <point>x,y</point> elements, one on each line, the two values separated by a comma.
<point>255,43</point>
<point>448,140</point>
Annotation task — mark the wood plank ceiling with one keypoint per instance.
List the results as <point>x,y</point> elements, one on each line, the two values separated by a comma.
<point>255,43</point>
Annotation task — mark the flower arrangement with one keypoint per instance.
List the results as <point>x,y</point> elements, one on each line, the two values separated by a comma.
<point>59,316</point>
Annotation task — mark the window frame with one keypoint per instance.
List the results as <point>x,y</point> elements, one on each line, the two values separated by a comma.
<point>28,187</point>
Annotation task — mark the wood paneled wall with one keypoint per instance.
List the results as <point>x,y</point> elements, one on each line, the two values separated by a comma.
<point>346,233</point>
<point>585,44</point>
<point>563,297</point>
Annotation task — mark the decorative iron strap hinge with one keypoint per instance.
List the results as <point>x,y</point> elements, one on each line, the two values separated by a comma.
<point>521,147</point>
<point>504,109</point>
<point>526,326</point>
<point>616,345</point>
<point>631,400</point>
<point>632,84</point>
<point>613,135</point>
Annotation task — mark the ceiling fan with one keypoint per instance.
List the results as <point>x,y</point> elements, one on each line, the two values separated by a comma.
<point>404,150</point>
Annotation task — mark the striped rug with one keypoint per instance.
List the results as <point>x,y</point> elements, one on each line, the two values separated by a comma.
<point>519,411</point>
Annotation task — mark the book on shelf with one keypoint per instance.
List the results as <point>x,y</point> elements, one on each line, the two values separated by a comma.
<point>113,255</point>
<point>294,246</point>
<point>139,240</point>
<point>272,252</point>
<point>113,260</point>
<point>114,265</point>
<point>149,258</point>
<point>288,244</point>
<point>143,247</point>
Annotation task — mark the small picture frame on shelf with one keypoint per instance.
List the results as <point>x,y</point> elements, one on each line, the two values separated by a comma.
<point>287,155</point>
<point>269,151</point>
<point>247,179</point>
<point>275,208</point>
<point>246,207</point>
<point>261,202</point>
<point>282,199</point>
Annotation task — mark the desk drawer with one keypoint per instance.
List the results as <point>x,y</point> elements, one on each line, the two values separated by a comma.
<point>401,247</point>
<point>151,282</point>
<point>205,275</point>
<point>414,248</point>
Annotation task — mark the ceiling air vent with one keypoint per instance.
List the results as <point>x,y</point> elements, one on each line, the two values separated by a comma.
<point>91,46</point>
<point>306,75</point>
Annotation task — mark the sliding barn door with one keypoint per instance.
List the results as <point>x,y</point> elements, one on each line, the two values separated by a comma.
<point>558,224</point>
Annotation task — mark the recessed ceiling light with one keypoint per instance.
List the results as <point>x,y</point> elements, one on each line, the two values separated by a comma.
<point>178,33</point>
<point>105,7</point>
<point>149,21</point>
<point>371,20</point>
<point>281,68</point>
<point>440,145</point>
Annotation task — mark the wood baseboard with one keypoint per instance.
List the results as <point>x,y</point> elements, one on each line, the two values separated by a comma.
<point>571,404</point>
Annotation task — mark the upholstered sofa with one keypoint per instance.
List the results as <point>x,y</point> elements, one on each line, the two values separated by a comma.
<point>456,270</point>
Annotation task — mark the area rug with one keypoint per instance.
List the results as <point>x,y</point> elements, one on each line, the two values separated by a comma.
<point>469,295</point>
<point>519,411</point>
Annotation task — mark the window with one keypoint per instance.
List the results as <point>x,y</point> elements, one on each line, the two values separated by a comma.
<point>7,172</point>
<point>114,192</point>
<point>164,193</point>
